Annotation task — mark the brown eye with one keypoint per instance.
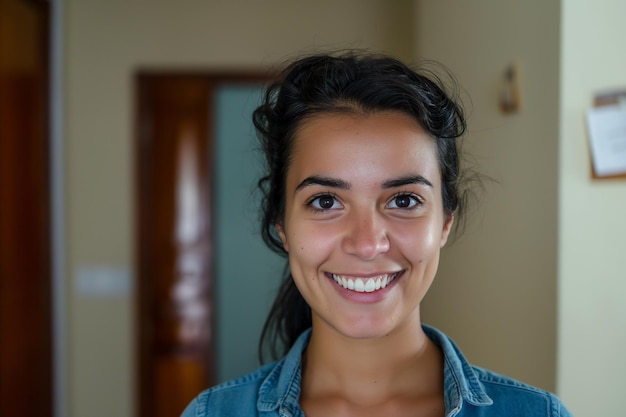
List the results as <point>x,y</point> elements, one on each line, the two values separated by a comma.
<point>404,201</point>
<point>325,202</point>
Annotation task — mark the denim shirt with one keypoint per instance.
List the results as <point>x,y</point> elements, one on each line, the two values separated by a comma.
<point>274,390</point>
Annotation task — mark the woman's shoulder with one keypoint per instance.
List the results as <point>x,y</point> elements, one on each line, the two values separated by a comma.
<point>272,386</point>
<point>473,391</point>
<point>237,397</point>
<point>510,396</point>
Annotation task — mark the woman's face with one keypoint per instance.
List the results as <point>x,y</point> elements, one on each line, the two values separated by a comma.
<point>364,221</point>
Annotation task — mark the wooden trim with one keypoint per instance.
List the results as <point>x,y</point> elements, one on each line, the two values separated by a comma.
<point>155,344</point>
<point>25,245</point>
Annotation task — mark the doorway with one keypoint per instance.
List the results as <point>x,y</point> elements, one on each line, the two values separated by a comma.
<point>195,217</point>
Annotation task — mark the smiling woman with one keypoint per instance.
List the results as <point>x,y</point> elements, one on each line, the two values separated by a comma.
<point>361,191</point>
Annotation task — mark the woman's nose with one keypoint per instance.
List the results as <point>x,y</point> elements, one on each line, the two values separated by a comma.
<point>366,235</point>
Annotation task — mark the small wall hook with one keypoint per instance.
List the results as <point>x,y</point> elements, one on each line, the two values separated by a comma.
<point>509,99</point>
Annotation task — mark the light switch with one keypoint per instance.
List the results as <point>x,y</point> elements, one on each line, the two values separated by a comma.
<point>102,281</point>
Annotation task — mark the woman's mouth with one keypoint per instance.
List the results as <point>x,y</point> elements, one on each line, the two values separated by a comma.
<point>364,284</point>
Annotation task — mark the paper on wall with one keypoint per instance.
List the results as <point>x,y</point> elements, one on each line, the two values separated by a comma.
<point>607,134</point>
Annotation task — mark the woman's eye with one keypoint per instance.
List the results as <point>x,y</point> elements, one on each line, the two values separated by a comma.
<point>325,202</point>
<point>403,201</point>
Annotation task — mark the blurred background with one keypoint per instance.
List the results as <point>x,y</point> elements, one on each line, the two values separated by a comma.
<point>131,270</point>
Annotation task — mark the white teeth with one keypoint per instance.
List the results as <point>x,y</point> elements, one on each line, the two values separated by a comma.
<point>364,284</point>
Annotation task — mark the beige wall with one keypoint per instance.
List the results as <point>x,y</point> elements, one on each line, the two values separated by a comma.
<point>541,218</point>
<point>106,41</point>
<point>496,290</point>
<point>592,223</point>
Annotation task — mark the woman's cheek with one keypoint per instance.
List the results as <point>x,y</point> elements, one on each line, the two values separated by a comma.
<point>421,237</point>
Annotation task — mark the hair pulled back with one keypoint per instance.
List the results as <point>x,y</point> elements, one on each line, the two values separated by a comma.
<point>349,82</point>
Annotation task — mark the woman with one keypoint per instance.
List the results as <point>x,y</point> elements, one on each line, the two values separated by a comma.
<point>361,192</point>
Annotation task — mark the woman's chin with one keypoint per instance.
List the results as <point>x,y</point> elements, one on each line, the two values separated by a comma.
<point>363,328</point>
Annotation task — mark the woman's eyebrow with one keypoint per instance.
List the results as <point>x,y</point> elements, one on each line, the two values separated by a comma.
<point>343,185</point>
<point>323,181</point>
<point>410,179</point>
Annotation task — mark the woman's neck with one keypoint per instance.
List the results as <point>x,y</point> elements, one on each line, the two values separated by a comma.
<point>367,372</point>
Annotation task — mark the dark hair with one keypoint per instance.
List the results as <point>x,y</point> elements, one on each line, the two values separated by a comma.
<point>349,82</point>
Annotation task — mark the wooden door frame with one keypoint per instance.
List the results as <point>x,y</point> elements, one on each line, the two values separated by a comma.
<point>145,82</point>
<point>26,374</point>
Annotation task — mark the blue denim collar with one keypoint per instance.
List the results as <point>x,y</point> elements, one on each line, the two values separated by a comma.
<point>281,387</point>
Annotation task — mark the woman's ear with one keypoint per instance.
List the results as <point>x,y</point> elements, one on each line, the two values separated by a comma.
<point>281,233</point>
<point>447,226</point>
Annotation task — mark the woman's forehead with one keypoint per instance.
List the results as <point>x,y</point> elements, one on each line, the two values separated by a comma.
<point>380,145</point>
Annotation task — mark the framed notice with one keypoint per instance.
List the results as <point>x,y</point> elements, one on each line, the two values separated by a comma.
<point>606,123</point>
